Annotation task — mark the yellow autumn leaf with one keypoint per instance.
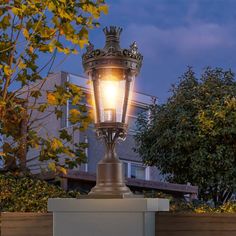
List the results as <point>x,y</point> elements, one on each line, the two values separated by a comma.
<point>51,6</point>
<point>74,40</point>
<point>24,7</point>
<point>31,49</point>
<point>56,143</point>
<point>64,14</point>
<point>25,33</point>
<point>15,10</point>
<point>104,9</point>
<point>79,19</point>
<point>7,70</point>
<point>69,153</point>
<point>52,166</point>
<point>51,99</point>
<point>22,65</point>
<point>36,146</point>
<point>66,50</point>
<point>62,169</point>
<point>74,88</point>
<point>91,9</point>
<point>51,47</point>
<point>74,116</point>
<point>74,51</point>
<point>82,42</point>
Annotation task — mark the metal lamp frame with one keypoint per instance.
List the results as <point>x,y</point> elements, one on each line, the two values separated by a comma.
<point>110,178</point>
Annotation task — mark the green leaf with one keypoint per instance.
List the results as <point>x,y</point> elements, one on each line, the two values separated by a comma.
<point>36,93</point>
<point>42,107</point>
<point>65,135</point>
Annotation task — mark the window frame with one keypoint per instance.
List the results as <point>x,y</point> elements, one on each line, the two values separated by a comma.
<point>129,165</point>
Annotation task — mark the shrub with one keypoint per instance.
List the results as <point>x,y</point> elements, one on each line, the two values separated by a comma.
<point>27,194</point>
<point>191,138</point>
<point>201,207</point>
<point>195,206</point>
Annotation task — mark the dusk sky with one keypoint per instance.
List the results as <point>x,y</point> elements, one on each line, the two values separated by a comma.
<point>171,35</point>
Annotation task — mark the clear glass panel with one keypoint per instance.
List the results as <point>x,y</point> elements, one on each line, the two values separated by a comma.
<point>109,90</point>
<point>130,98</point>
<point>93,102</point>
<point>111,97</point>
<point>137,171</point>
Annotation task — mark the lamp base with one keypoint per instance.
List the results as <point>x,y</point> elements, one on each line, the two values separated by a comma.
<point>110,181</point>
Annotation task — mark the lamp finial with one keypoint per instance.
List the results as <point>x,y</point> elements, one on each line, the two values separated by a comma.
<point>112,34</point>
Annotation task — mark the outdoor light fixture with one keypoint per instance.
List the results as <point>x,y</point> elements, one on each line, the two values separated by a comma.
<point>112,71</point>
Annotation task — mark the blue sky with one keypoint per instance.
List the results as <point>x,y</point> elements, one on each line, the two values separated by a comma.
<point>171,35</point>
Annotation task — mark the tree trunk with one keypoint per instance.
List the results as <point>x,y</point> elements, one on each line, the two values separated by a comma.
<point>22,151</point>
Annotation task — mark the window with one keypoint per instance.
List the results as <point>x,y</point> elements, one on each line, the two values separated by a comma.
<point>136,170</point>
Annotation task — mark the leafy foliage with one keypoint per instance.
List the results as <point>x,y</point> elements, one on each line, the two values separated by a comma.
<point>30,30</point>
<point>191,138</point>
<point>27,194</point>
<point>177,205</point>
<point>193,206</point>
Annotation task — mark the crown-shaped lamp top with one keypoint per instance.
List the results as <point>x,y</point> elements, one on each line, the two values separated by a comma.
<point>112,55</point>
<point>112,34</point>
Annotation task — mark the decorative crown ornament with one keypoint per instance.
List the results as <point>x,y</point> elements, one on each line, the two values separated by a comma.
<point>112,55</point>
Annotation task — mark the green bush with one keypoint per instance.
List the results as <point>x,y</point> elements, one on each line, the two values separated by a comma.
<point>195,206</point>
<point>228,207</point>
<point>27,194</point>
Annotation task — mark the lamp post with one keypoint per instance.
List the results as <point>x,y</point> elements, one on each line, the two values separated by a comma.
<point>112,71</point>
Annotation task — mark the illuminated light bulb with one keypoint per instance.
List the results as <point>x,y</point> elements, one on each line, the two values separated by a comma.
<point>109,92</point>
<point>110,98</point>
<point>109,115</point>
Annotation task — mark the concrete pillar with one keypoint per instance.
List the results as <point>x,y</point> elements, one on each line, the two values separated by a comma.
<point>105,217</point>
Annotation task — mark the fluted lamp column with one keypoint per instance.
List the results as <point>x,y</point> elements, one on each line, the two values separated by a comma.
<point>112,71</point>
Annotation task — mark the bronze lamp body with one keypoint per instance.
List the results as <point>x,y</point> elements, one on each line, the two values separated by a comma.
<point>112,71</point>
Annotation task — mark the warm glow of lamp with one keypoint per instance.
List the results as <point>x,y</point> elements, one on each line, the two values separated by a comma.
<point>109,96</point>
<point>112,92</point>
<point>109,93</point>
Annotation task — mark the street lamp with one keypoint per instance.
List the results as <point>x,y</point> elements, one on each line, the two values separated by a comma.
<point>112,71</point>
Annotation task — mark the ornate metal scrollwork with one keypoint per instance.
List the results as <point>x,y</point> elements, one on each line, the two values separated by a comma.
<point>125,64</point>
<point>112,53</point>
